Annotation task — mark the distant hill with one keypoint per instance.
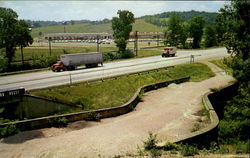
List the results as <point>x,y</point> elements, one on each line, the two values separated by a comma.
<point>148,23</point>
<point>161,19</point>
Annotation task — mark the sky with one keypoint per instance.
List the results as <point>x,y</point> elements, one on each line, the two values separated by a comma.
<point>97,10</point>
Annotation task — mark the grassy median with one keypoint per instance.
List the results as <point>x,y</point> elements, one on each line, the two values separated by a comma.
<point>111,93</point>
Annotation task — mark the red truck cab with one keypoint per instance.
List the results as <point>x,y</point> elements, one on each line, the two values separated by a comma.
<point>58,66</point>
<point>169,51</point>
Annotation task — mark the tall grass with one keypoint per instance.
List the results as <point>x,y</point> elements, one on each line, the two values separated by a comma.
<point>222,63</point>
<point>111,93</point>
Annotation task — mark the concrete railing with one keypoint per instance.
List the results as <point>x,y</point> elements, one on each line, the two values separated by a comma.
<point>92,115</point>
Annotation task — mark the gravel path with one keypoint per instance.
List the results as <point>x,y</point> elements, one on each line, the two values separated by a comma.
<point>169,112</point>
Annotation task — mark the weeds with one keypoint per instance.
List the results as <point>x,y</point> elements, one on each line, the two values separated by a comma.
<point>151,142</point>
<point>95,116</point>
<point>171,146</point>
<point>58,122</point>
<point>188,150</point>
<point>196,127</point>
<point>214,90</point>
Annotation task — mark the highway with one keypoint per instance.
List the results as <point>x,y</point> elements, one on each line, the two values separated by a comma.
<point>44,79</point>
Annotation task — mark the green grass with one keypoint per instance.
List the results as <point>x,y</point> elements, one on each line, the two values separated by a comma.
<point>221,63</point>
<point>111,93</point>
<point>142,26</point>
<point>139,25</point>
<point>77,28</point>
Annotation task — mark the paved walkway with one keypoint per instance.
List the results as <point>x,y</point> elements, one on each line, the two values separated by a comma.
<point>169,112</point>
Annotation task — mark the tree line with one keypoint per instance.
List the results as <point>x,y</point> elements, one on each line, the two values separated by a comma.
<point>190,34</point>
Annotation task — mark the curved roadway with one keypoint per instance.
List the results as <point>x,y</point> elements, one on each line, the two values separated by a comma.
<point>48,78</point>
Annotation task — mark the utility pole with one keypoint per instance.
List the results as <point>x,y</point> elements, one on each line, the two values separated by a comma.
<point>22,56</point>
<point>136,43</point>
<point>50,46</point>
<point>158,36</point>
<point>97,43</point>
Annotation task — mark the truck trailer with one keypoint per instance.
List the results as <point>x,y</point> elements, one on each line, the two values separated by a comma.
<point>71,61</point>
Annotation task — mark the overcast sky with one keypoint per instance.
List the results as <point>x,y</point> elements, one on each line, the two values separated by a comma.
<point>98,10</point>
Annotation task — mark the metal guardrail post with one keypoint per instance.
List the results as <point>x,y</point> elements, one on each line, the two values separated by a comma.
<point>191,58</point>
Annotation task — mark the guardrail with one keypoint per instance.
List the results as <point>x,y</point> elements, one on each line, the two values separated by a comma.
<point>91,115</point>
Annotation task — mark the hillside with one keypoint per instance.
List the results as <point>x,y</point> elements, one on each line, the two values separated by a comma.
<point>139,25</point>
<point>148,23</point>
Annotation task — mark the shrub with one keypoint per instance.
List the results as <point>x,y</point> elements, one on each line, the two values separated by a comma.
<point>3,64</point>
<point>150,143</point>
<point>127,54</point>
<point>109,56</point>
<point>8,131</point>
<point>94,116</point>
<point>170,146</point>
<point>59,122</point>
<point>188,150</point>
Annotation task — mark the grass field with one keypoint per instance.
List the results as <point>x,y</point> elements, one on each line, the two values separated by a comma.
<point>139,25</point>
<point>31,53</point>
<point>111,93</point>
<point>35,51</point>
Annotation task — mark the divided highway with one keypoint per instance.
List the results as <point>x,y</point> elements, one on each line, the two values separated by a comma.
<point>48,78</point>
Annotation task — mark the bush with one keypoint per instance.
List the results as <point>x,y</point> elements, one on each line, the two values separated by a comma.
<point>188,150</point>
<point>150,143</point>
<point>8,131</point>
<point>3,64</point>
<point>170,146</point>
<point>127,54</point>
<point>59,122</point>
<point>109,56</point>
<point>94,116</point>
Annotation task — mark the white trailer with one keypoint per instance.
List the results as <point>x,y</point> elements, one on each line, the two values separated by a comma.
<point>71,61</point>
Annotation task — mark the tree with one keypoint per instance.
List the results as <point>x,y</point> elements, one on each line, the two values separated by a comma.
<point>234,18</point>
<point>13,33</point>
<point>122,26</point>
<point>210,36</point>
<point>23,38</point>
<point>196,25</point>
<point>175,32</point>
<point>183,35</point>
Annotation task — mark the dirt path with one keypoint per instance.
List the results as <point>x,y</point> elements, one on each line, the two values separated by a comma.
<point>169,112</point>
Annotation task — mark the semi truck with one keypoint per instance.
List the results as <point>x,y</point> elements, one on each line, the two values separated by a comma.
<point>169,51</point>
<point>71,61</point>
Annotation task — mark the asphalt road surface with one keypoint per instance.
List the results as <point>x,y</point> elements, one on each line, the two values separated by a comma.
<point>43,79</point>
